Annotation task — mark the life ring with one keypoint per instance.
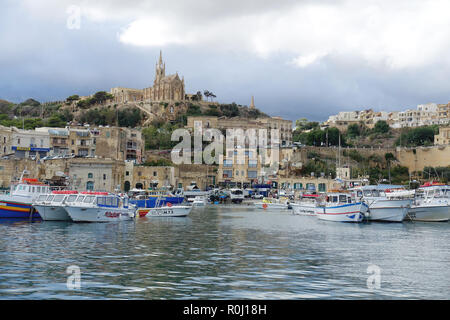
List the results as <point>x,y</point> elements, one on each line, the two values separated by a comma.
<point>169,204</point>
<point>265,205</point>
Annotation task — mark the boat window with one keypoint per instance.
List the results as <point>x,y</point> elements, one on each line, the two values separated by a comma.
<point>58,198</point>
<point>334,199</point>
<point>101,201</point>
<point>115,202</point>
<point>89,199</point>
<point>80,198</point>
<point>50,197</point>
<point>71,198</point>
<point>359,193</point>
<point>342,198</point>
<point>367,193</point>
<point>349,199</point>
<point>375,193</point>
<point>42,197</point>
<point>108,201</point>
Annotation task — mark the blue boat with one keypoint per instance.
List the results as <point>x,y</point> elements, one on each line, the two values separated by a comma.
<point>152,199</point>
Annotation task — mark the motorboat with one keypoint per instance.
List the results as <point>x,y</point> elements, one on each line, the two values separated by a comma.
<point>306,206</point>
<point>341,206</point>
<point>236,195</point>
<point>149,198</point>
<point>100,207</point>
<point>51,206</point>
<point>431,203</point>
<point>165,211</point>
<point>274,204</point>
<point>199,201</point>
<point>19,202</point>
<point>383,203</point>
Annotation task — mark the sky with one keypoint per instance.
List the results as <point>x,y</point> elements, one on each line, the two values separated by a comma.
<point>309,58</point>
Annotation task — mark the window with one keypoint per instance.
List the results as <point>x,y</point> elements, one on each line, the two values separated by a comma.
<point>90,175</point>
<point>139,173</point>
<point>104,176</point>
<point>127,173</point>
<point>252,163</point>
<point>227,163</point>
<point>252,174</point>
<point>155,173</point>
<point>227,173</point>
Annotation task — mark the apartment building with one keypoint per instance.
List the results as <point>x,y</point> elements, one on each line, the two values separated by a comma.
<point>443,137</point>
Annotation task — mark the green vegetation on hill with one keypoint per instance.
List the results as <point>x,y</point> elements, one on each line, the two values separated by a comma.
<point>420,136</point>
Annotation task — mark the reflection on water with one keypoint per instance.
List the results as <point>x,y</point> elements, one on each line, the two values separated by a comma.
<point>224,253</point>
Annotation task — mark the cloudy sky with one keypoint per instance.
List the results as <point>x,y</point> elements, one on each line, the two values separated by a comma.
<point>298,58</point>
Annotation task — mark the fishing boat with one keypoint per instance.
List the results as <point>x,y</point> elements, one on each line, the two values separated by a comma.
<point>148,199</point>
<point>340,206</point>
<point>51,207</point>
<point>100,207</point>
<point>306,206</point>
<point>383,203</point>
<point>431,203</point>
<point>18,203</point>
<point>167,210</point>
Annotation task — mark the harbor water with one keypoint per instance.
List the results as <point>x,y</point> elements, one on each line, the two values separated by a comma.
<point>225,252</point>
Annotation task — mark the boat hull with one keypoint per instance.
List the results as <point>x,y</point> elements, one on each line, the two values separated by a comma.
<point>271,206</point>
<point>342,213</point>
<point>52,213</point>
<point>389,210</point>
<point>429,213</point>
<point>13,209</point>
<point>173,211</point>
<point>303,209</point>
<point>86,214</point>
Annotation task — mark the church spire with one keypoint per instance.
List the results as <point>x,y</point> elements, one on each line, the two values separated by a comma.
<point>160,57</point>
<point>252,104</point>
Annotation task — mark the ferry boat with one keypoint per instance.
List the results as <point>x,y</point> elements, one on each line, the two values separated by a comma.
<point>18,204</point>
<point>431,204</point>
<point>306,206</point>
<point>51,207</point>
<point>383,205</point>
<point>100,207</point>
<point>340,206</point>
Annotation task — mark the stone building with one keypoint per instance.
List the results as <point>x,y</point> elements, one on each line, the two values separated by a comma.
<point>81,142</point>
<point>5,140</point>
<point>443,137</point>
<point>118,143</point>
<point>269,123</point>
<point>165,88</point>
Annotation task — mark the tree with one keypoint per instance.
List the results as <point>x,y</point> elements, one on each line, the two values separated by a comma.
<point>75,97</point>
<point>389,157</point>
<point>353,130</point>
<point>381,127</point>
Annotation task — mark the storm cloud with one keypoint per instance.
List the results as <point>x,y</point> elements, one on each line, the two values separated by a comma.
<point>298,58</point>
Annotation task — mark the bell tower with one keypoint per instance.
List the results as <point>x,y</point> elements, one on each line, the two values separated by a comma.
<point>160,71</point>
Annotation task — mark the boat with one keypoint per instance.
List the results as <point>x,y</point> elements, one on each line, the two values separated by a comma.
<point>306,206</point>
<point>147,199</point>
<point>18,203</point>
<point>191,192</point>
<point>51,207</point>
<point>383,203</point>
<point>274,204</point>
<point>100,207</point>
<point>431,203</point>
<point>165,211</point>
<point>199,201</point>
<point>341,206</point>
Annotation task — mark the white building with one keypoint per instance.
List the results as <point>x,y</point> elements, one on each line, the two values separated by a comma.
<point>30,143</point>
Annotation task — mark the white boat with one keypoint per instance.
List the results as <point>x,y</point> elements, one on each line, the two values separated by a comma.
<point>165,211</point>
<point>273,204</point>
<point>383,206</point>
<point>51,206</point>
<point>100,207</point>
<point>340,206</point>
<point>199,201</point>
<point>306,206</point>
<point>432,204</point>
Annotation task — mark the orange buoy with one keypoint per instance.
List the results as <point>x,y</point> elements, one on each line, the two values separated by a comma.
<point>265,205</point>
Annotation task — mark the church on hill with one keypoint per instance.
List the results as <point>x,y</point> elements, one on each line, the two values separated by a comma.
<point>166,88</point>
